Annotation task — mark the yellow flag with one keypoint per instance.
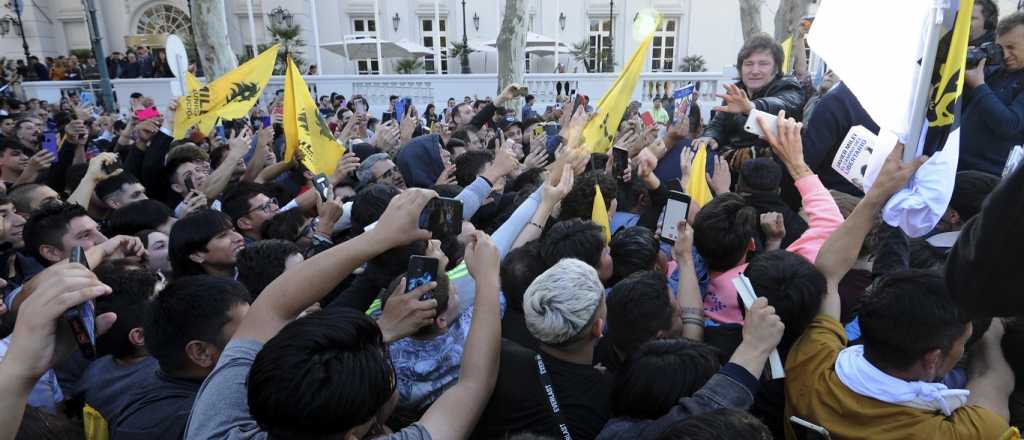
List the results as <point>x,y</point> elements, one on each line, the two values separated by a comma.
<point>192,83</point>
<point>787,54</point>
<point>697,187</point>
<point>599,214</point>
<point>229,97</point>
<point>599,134</point>
<point>305,129</point>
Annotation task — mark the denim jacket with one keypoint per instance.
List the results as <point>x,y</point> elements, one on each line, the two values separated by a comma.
<point>732,387</point>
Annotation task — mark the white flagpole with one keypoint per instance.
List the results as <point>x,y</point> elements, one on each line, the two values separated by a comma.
<point>252,29</point>
<point>919,108</point>
<point>437,36</point>
<point>316,36</point>
<point>376,21</point>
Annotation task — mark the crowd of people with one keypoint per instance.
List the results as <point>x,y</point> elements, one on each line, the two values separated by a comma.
<point>237,295</point>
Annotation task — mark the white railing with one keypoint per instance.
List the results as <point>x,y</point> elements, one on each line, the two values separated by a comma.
<point>423,89</point>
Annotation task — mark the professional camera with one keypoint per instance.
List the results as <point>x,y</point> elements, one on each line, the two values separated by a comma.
<point>992,52</point>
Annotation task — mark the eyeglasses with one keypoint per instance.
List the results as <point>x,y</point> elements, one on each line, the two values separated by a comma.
<point>310,228</point>
<point>267,208</point>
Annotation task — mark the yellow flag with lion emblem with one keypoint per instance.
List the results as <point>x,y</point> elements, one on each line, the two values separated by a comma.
<point>229,97</point>
<point>305,129</point>
<point>599,134</point>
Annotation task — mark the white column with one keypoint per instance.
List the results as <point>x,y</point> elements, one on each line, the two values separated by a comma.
<point>316,36</point>
<point>437,36</point>
<point>558,31</point>
<point>252,29</point>
<point>376,20</point>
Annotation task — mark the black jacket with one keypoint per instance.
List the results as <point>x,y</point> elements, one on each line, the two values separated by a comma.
<point>783,93</point>
<point>983,269</point>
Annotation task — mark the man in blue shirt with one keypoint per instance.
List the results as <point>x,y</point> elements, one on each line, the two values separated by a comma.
<point>993,116</point>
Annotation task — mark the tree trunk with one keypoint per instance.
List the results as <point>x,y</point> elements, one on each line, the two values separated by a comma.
<point>750,17</point>
<point>211,37</point>
<point>512,47</point>
<point>788,17</point>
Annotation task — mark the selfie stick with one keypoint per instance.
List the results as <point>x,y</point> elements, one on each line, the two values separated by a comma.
<point>747,294</point>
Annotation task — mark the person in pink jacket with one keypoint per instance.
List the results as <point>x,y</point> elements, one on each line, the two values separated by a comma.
<point>724,230</point>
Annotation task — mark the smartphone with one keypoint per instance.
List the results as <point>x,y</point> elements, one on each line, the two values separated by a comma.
<point>86,99</point>
<point>538,130</point>
<point>111,166</point>
<point>676,208</point>
<point>322,187</point>
<point>553,129</point>
<point>360,107</point>
<point>422,270</point>
<point>190,185</point>
<point>82,318</point>
<point>808,431</point>
<point>442,217</point>
<point>620,160</point>
<point>648,119</point>
<point>400,107</point>
<point>580,100</point>
<point>265,120</point>
<point>770,120</point>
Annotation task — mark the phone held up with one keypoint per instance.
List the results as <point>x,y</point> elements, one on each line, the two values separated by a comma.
<point>322,187</point>
<point>771,121</point>
<point>620,160</point>
<point>442,217</point>
<point>82,318</point>
<point>422,270</point>
<point>676,208</point>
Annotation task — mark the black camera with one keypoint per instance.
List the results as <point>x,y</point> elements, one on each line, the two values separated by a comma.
<point>992,52</point>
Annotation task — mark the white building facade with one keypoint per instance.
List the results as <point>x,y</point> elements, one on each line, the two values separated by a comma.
<point>706,28</point>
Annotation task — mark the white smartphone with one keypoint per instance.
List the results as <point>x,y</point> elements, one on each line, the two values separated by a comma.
<point>676,208</point>
<point>770,120</point>
<point>809,430</point>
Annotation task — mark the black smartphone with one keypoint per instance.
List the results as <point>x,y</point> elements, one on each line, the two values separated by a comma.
<point>676,208</point>
<point>322,186</point>
<point>422,270</point>
<point>805,430</point>
<point>110,167</point>
<point>442,217</point>
<point>190,185</point>
<point>620,160</point>
<point>82,318</point>
<point>553,129</point>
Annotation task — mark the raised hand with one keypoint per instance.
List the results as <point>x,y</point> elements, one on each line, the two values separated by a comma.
<point>399,224</point>
<point>405,313</point>
<point>736,101</point>
<point>721,180</point>
<point>787,145</point>
<point>538,157</point>
<point>895,174</point>
<point>447,176</point>
<point>774,229</point>
<point>96,171</point>
<point>685,164</point>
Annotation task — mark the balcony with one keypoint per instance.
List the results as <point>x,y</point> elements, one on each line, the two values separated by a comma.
<point>423,89</point>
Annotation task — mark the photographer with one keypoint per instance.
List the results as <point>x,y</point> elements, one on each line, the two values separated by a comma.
<point>993,116</point>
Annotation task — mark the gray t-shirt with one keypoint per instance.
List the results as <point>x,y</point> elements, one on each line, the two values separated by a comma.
<point>221,410</point>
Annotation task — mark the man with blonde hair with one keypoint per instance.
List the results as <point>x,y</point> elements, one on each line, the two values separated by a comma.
<point>554,390</point>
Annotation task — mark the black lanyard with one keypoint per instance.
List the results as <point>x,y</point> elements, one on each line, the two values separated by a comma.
<point>549,392</point>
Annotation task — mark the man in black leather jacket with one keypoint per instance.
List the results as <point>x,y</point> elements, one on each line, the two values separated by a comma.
<point>762,86</point>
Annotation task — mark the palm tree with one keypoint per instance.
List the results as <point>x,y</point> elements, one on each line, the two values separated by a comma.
<point>581,53</point>
<point>693,63</point>
<point>291,46</point>
<point>462,52</point>
<point>407,66</point>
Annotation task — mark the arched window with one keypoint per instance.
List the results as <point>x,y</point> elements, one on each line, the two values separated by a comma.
<point>163,20</point>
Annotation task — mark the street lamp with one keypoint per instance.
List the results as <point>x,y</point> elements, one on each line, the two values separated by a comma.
<point>465,42</point>
<point>394,22</point>
<point>561,20</point>
<point>5,25</point>
<point>611,41</point>
<point>476,22</point>
<point>16,5</point>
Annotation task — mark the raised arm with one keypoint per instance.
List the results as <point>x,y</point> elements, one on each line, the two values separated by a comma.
<point>840,251</point>
<point>93,176</point>
<point>218,181</point>
<point>298,288</point>
<point>552,195</point>
<point>690,300</point>
<point>455,413</point>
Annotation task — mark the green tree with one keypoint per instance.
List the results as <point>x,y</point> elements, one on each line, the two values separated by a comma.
<point>581,52</point>
<point>408,66</point>
<point>693,63</point>
<point>291,45</point>
<point>462,52</point>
